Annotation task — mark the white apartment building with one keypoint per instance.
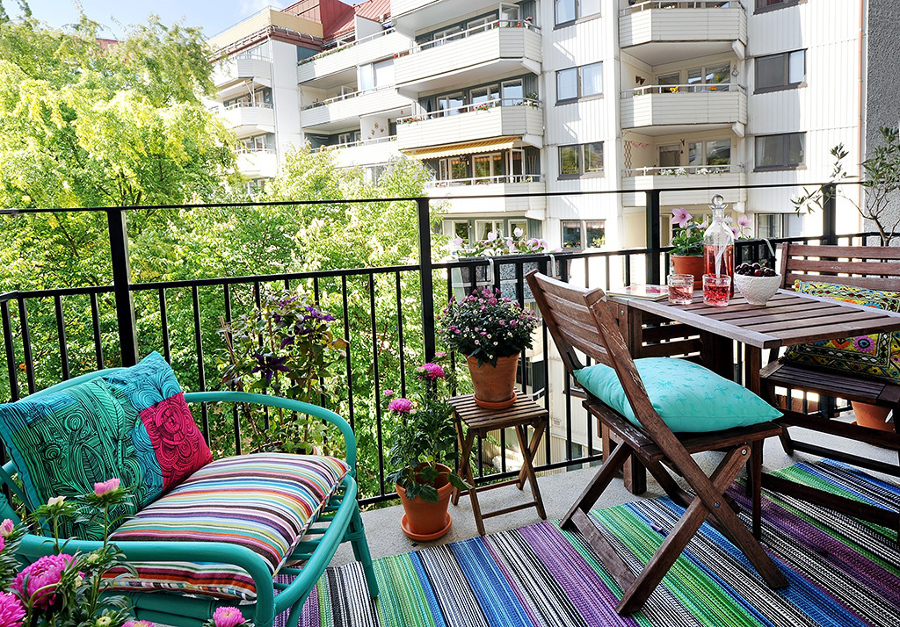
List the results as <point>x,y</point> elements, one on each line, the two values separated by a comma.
<point>503,98</point>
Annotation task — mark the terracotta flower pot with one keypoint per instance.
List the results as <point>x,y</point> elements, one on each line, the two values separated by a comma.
<point>872,416</point>
<point>682,264</point>
<point>495,386</point>
<point>423,520</point>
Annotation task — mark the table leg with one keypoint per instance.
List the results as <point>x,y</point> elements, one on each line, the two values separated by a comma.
<point>752,366</point>
<point>539,427</point>
<point>522,433</point>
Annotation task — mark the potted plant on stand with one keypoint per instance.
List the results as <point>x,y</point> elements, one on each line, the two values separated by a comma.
<point>491,331</point>
<point>687,245</point>
<point>423,440</point>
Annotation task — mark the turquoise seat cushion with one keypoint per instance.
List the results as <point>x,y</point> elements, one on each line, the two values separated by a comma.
<point>687,396</point>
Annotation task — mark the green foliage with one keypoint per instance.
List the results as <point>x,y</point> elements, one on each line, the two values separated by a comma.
<point>881,181</point>
<point>487,325</point>
<point>286,346</point>
<point>688,235</point>
<point>424,436</point>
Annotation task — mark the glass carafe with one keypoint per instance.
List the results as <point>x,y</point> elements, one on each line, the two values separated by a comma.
<point>718,243</point>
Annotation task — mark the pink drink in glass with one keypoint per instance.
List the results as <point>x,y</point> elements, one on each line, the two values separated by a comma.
<point>681,289</point>
<point>716,290</point>
<point>727,264</point>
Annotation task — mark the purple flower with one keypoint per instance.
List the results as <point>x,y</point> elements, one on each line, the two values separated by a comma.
<point>138,623</point>
<point>744,220</point>
<point>227,617</point>
<point>735,231</point>
<point>43,577</point>
<point>681,217</point>
<point>268,365</point>
<point>6,528</point>
<point>11,610</point>
<point>389,393</point>
<point>400,406</point>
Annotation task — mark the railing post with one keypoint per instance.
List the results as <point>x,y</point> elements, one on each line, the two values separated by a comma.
<point>121,267</point>
<point>829,214</point>
<point>654,247</point>
<point>426,280</point>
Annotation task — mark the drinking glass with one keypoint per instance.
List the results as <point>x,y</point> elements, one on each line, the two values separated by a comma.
<point>716,289</point>
<point>681,289</point>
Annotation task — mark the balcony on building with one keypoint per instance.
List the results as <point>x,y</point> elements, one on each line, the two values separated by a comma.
<point>659,31</point>
<point>413,16</point>
<point>684,185</point>
<point>667,109</point>
<point>235,72</point>
<point>493,49</point>
<point>258,163</point>
<point>362,152</point>
<point>494,120</point>
<point>488,195</point>
<point>338,113</point>
<point>338,65</point>
<point>249,118</point>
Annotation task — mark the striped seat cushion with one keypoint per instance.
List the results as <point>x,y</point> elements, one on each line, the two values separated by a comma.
<point>262,502</point>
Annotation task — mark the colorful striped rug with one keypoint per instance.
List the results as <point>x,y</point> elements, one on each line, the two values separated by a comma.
<point>842,572</point>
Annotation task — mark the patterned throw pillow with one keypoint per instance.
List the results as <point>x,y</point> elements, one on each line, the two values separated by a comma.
<point>876,356</point>
<point>132,424</point>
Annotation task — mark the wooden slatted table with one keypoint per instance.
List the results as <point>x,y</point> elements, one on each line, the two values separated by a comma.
<point>788,318</point>
<point>479,422</point>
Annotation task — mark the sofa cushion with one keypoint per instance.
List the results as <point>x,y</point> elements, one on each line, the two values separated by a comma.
<point>263,502</point>
<point>132,424</point>
<point>876,355</point>
<point>687,396</point>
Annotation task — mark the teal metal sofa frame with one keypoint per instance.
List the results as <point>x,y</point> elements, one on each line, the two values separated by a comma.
<point>317,548</point>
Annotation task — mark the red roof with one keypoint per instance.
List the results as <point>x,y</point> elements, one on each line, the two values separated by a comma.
<point>336,17</point>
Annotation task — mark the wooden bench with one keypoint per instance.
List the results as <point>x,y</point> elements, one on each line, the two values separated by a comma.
<point>871,267</point>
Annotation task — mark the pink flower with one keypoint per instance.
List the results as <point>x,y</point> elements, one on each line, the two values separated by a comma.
<point>227,617</point>
<point>105,487</point>
<point>11,610</point>
<point>431,371</point>
<point>137,623</point>
<point>735,231</point>
<point>389,393</point>
<point>440,355</point>
<point>400,405</point>
<point>6,528</point>
<point>681,217</point>
<point>744,221</point>
<point>44,573</point>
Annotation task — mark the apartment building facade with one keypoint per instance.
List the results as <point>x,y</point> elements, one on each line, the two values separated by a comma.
<point>502,98</point>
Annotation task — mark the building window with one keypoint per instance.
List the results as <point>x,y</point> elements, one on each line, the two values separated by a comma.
<point>711,75</point>
<point>776,225</point>
<point>780,71</point>
<point>483,228</point>
<point>765,5</point>
<point>780,152</point>
<point>578,234</point>
<point>581,160</point>
<point>570,10</point>
<point>713,152</point>
<point>579,82</point>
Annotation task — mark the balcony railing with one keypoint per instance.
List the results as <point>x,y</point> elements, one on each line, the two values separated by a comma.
<point>696,88</point>
<point>685,170</point>
<point>481,106</point>
<point>475,30</point>
<point>684,4</point>
<point>249,105</point>
<point>358,142</point>
<point>377,309</point>
<point>340,46</point>
<point>503,179</point>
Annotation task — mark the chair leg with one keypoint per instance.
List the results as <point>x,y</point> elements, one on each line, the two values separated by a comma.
<point>598,484</point>
<point>754,485</point>
<point>357,536</point>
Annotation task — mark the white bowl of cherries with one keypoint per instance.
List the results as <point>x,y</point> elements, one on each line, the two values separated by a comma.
<point>756,282</point>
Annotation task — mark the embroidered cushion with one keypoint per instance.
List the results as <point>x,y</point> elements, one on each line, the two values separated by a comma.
<point>264,502</point>
<point>132,424</point>
<point>876,355</point>
<point>687,396</point>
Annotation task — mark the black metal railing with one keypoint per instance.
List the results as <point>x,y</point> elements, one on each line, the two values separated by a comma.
<point>387,313</point>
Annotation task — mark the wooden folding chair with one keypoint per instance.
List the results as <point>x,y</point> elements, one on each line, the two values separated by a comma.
<point>581,320</point>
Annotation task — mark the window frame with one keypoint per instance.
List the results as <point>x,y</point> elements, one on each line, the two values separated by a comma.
<point>576,11</point>
<point>581,161</point>
<point>785,152</point>
<point>779,4</point>
<point>579,83</point>
<point>582,228</point>
<point>786,67</point>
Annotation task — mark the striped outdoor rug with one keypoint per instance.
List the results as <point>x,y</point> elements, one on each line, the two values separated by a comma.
<point>842,572</point>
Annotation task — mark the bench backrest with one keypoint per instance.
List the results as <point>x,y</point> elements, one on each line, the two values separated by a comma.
<point>872,267</point>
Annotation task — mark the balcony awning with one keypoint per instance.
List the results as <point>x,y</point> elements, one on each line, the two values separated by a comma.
<point>467,148</point>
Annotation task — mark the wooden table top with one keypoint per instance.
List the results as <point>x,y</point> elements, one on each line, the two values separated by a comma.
<point>523,411</point>
<point>788,318</point>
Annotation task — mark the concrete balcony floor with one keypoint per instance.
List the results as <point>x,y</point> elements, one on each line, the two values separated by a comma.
<point>560,489</point>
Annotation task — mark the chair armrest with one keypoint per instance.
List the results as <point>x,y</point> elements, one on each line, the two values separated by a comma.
<point>283,403</point>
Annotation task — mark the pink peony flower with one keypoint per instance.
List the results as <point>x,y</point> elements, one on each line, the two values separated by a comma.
<point>11,610</point>
<point>227,617</point>
<point>431,371</point>
<point>105,487</point>
<point>388,393</point>
<point>681,217</point>
<point>137,623</point>
<point>6,528</point>
<point>44,573</point>
<point>400,405</point>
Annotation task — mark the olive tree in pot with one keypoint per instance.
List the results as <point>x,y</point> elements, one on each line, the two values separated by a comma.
<point>423,440</point>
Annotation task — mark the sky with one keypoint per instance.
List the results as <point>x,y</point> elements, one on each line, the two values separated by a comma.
<point>213,16</point>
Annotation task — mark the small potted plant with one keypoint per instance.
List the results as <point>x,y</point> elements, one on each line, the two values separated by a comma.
<point>491,331</point>
<point>687,245</point>
<point>423,440</point>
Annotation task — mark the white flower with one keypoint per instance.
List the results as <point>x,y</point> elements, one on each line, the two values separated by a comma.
<point>491,236</point>
<point>517,232</point>
<point>56,500</point>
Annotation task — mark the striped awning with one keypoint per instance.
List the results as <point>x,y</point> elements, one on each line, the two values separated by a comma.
<point>467,148</point>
